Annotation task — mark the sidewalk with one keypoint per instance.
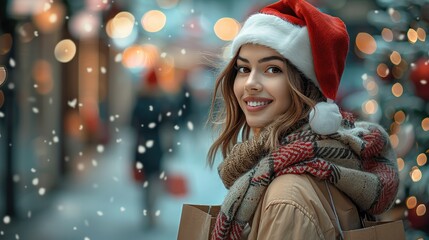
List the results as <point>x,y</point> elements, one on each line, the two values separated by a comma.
<point>102,202</point>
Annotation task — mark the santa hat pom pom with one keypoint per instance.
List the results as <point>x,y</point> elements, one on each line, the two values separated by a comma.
<point>325,118</point>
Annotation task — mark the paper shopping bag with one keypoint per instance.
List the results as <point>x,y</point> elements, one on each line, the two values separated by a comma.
<point>374,230</point>
<point>197,221</point>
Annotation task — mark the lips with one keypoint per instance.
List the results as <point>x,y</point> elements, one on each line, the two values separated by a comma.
<point>254,104</point>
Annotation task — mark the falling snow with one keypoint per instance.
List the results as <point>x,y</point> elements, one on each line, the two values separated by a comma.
<point>72,103</point>
<point>118,57</point>
<point>141,149</point>
<point>35,181</point>
<point>42,191</point>
<point>16,178</point>
<point>1,115</point>
<point>6,219</point>
<point>190,126</point>
<point>100,148</point>
<point>80,167</point>
<point>35,110</point>
<point>151,125</point>
<point>12,62</point>
<point>103,70</point>
<point>149,143</point>
<point>139,165</point>
<point>100,213</point>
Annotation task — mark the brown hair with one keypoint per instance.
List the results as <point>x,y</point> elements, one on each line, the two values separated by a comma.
<point>230,119</point>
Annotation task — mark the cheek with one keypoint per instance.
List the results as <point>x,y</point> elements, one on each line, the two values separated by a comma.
<point>238,90</point>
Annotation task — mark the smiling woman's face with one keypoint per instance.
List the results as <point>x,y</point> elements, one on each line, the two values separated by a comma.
<point>261,85</point>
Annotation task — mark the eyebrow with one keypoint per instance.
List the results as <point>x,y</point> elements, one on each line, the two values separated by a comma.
<point>265,59</point>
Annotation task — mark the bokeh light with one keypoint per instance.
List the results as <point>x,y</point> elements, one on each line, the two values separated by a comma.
<point>140,56</point>
<point>399,117</point>
<point>3,75</point>
<point>42,75</point>
<point>397,90</point>
<point>65,50</point>
<point>394,140</point>
<point>120,26</point>
<point>425,124</point>
<point>226,28</point>
<point>395,58</point>
<point>383,70</point>
<point>5,43</point>
<point>421,210</point>
<point>387,34</point>
<point>50,18</point>
<point>372,88</point>
<point>412,35</point>
<point>370,107</point>
<point>416,174</point>
<point>366,43</point>
<point>84,24</point>
<point>153,21</point>
<point>421,34</point>
<point>422,159</point>
<point>411,202</point>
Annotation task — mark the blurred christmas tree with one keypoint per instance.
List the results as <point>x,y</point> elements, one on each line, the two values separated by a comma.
<point>397,83</point>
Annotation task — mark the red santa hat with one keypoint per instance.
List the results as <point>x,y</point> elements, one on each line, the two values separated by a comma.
<point>315,42</point>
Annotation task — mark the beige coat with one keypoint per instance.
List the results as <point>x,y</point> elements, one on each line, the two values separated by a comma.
<point>298,207</point>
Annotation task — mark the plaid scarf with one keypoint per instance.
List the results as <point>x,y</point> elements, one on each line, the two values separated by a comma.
<point>358,160</point>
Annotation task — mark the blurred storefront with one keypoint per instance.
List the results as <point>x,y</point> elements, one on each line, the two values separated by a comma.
<point>71,69</point>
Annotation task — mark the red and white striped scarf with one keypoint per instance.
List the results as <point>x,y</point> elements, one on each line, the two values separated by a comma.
<point>357,158</point>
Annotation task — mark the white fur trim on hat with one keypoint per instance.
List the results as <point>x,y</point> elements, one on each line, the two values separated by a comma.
<point>325,118</point>
<point>291,41</point>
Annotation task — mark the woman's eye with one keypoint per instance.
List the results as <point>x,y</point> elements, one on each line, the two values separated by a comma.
<point>274,70</point>
<point>242,69</point>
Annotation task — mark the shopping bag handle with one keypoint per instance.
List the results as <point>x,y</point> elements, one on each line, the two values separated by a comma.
<point>335,211</point>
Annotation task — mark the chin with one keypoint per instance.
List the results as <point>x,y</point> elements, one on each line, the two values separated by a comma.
<point>257,124</point>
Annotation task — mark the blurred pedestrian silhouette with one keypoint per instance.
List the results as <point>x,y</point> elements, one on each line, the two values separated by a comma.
<point>146,121</point>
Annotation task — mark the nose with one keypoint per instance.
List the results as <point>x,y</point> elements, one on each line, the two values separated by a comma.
<point>252,83</point>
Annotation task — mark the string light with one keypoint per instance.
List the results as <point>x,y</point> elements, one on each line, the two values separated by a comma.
<point>397,90</point>
<point>411,202</point>
<point>421,159</point>
<point>366,43</point>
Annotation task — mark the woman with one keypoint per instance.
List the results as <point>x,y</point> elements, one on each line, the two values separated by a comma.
<point>304,170</point>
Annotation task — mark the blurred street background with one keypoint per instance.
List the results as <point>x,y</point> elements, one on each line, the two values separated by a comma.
<point>81,81</point>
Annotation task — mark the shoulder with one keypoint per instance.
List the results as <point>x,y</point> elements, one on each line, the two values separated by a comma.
<point>293,201</point>
<point>293,189</point>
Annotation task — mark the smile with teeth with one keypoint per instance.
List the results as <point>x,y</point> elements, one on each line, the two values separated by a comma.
<point>257,104</point>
